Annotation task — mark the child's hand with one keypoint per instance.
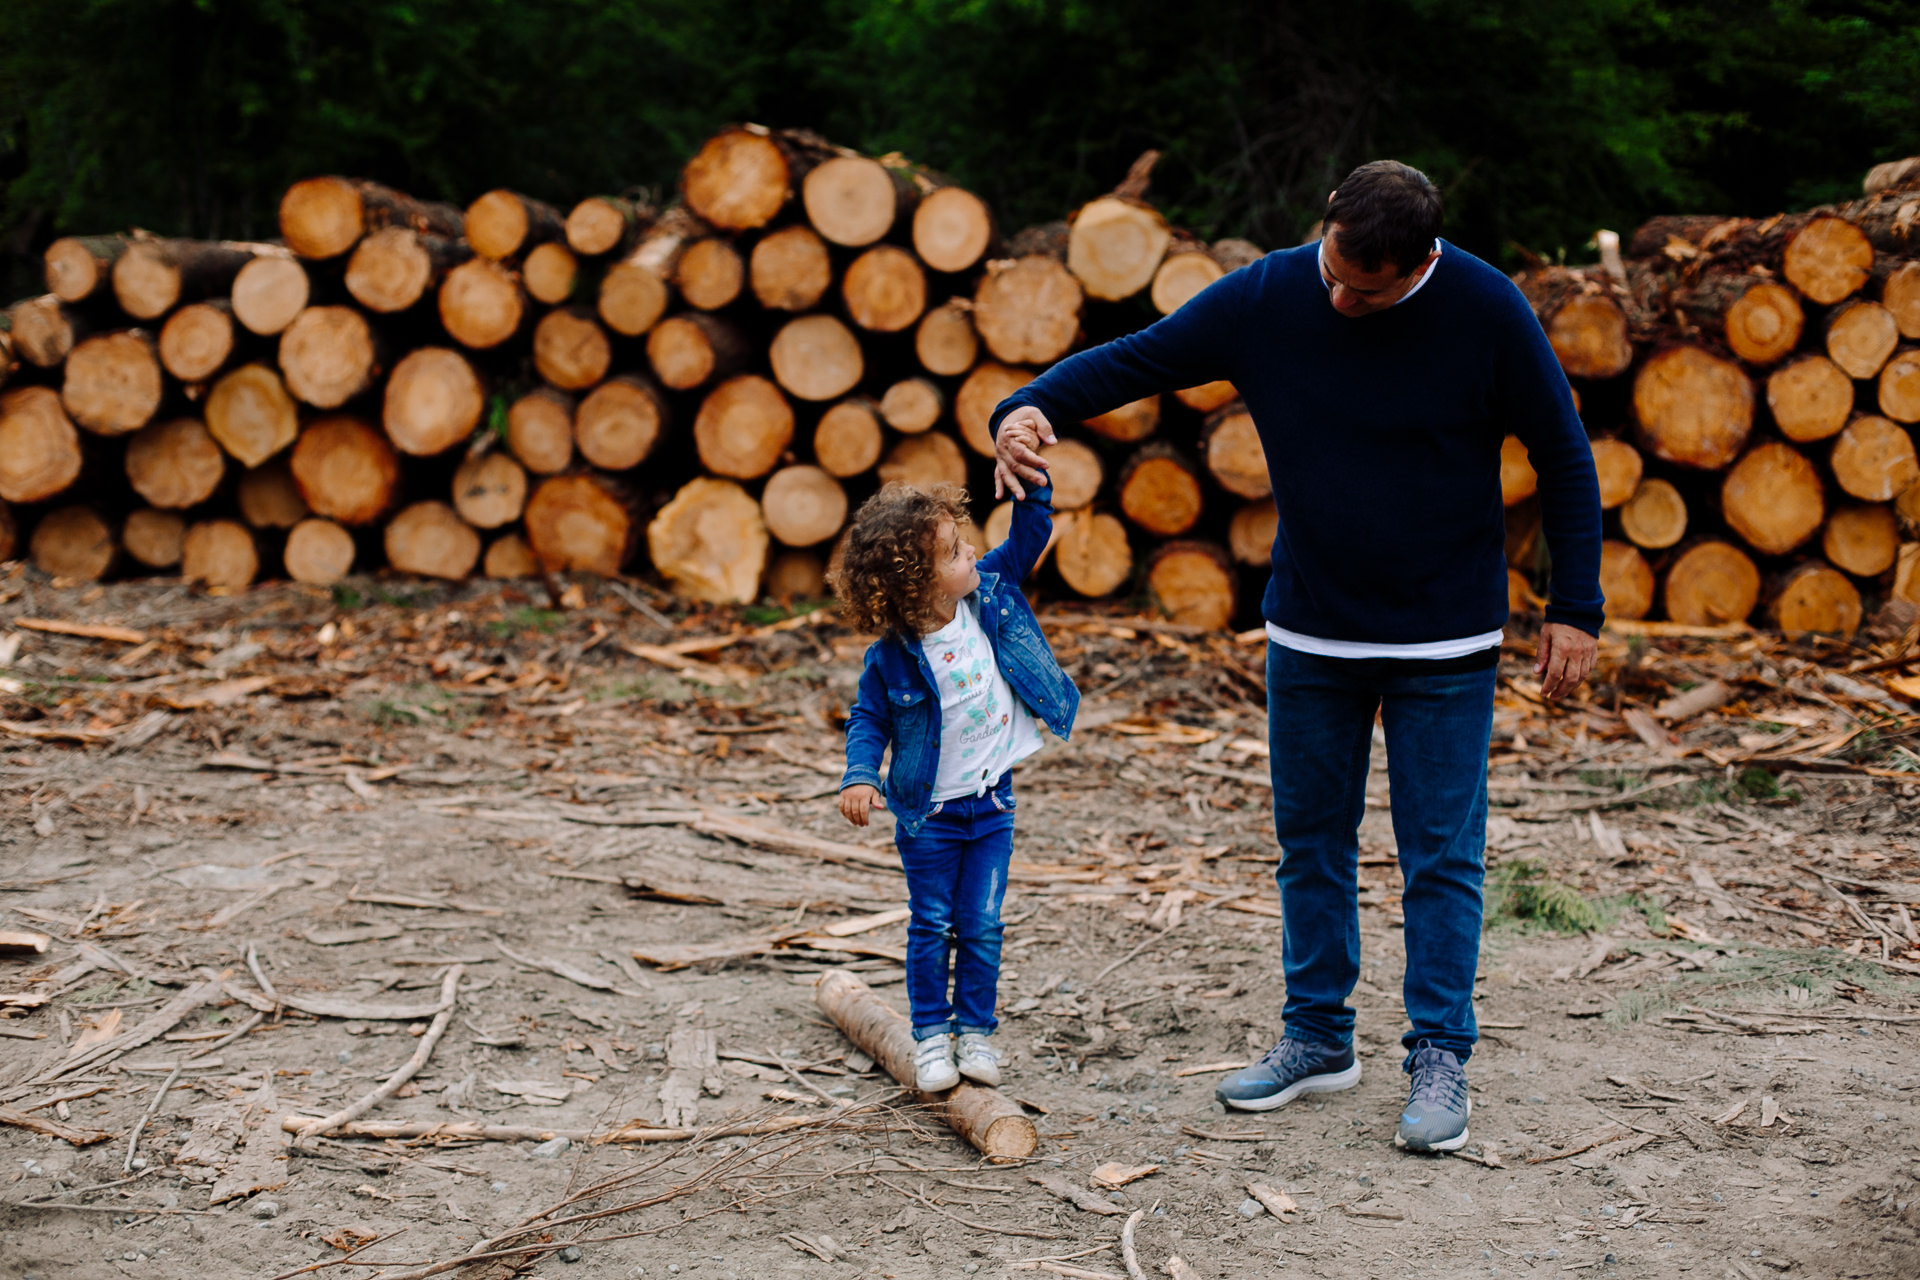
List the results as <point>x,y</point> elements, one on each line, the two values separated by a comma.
<point>1016,454</point>
<point>856,800</point>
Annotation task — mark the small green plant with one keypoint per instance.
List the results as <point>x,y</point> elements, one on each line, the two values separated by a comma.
<point>1521,891</point>
<point>525,618</point>
<point>1653,908</point>
<point>346,597</point>
<point>1759,784</point>
<point>497,416</point>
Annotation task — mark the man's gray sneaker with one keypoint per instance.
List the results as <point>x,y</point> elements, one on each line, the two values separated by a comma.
<point>1437,1103</point>
<point>1289,1069</point>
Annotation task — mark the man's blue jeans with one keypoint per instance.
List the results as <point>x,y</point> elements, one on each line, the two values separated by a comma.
<point>956,879</point>
<point>1320,714</point>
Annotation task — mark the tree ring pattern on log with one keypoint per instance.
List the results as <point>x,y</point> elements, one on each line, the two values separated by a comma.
<point>979,396</point>
<point>346,470</point>
<point>1694,408</point>
<point>1772,497</point>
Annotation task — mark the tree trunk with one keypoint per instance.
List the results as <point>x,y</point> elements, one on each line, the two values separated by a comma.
<point>710,542</point>
<point>1861,335</point>
<point>1626,580</point>
<point>175,464</point>
<point>540,431</point>
<point>745,174</point>
<point>1891,174</point>
<point>1772,498</point>
<point>989,1120</point>
<point>816,358</point>
<point>570,350</point>
<point>1759,317</point>
<point>945,342</point>
<point>847,439</point>
<point>431,540</point>
<point>1027,310</point>
<point>710,274</point>
<point>502,224</point>
<point>885,289</point>
<point>1091,552</point>
<point>1873,459</point>
<point>221,554</point>
<point>1584,323</point>
<point>1810,397</point>
<point>925,461</point>
<point>853,200</point>
<point>481,304</point>
<point>325,217</point>
<point>634,293</point>
<point>1694,408</point>
<point>790,270</point>
<point>328,356</point>
<point>73,543</point>
<point>952,229</point>
<point>1076,473</point>
<point>913,405</point>
<point>620,422</point>
<point>1187,269</point>
<point>1711,584</point>
<point>979,396</point>
<point>153,276</point>
<point>1160,492</point>
<point>1134,422</point>
<point>45,331</point>
<point>1899,292</point>
<point>550,272</point>
<point>1115,246</point>
<point>1887,219</point>
<point>605,224</point>
<point>1827,259</point>
<point>1517,479</point>
<point>1251,535</point>
<point>39,448</point>
<point>347,471</point>
<point>803,506</point>
<point>1618,466</point>
<point>433,402</point>
<point>1194,583</point>
<point>510,556</point>
<point>318,552</point>
<point>690,350</point>
<point>1235,455</point>
<point>490,490</point>
<point>744,426</point>
<point>583,522</point>
<point>154,538</point>
<point>270,292</point>
<point>1813,597</point>
<point>796,575</point>
<point>197,340</point>
<point>113,382</point>
<point>395,267</point>
<point>78,267</point>
<point>269,497</point>
<point>1863,540</point>
<point>1655,517</point>
<point>1899,391</point>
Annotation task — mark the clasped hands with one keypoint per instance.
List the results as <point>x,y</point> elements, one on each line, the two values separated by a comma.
<point>1016,451</point>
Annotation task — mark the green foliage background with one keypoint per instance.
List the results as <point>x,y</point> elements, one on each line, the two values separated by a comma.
<point>1542,119</point>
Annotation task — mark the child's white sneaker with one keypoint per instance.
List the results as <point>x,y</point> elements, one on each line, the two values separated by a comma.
<point>933,1069</point>
<point>977,1059</point>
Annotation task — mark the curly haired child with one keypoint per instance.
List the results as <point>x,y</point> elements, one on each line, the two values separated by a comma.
<point>953,687</point>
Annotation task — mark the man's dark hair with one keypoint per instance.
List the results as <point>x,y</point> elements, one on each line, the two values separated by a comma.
<point>1386,212</point>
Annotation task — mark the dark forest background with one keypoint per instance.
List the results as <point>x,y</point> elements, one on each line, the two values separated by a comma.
<point>1542,119</point>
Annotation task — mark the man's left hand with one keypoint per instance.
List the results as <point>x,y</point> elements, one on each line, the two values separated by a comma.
<point>1566,657</point>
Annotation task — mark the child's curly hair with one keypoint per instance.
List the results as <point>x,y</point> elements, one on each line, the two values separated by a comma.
<point>885,574</point>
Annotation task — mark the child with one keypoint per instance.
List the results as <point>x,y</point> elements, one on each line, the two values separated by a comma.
<point>953,686</point>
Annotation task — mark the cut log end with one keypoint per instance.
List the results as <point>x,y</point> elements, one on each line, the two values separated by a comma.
<point>599,224</point>
<point>77,267</point>
<point>489,490</point>
<point>196,340</point>
<point>581,522</point>
<point>1027,311</point>
<point>1115,246</point>
<point>318,552</point>
<point>710,274</point>
<point>390,270</point>
<point>1626,580</point>
<point>1772,497</point>
<point>790,270</point>
<point>743,428</point>
<point>1618,466</point>
<point>979,395</point>
<point>1160,493</point>
<point>44,331</point>
<point>503,223</point>
<point>851,200</point>
<point>1139,419</point>
<point>269,293</point>
<point>1092,553</point>
<point>175,464</point>
<point>912,405</point>
<point>570,350</point>
<point>1816,598</point>
<point>1899,390</point>
<point>847,440</point>
<point>113,382</point>
<point>1193,583</point>
<point>549,272</point>
<point>738,181</point>
<point>1251,534</point>
<point>220,554</point>
<point>945,342</point>
<point>1655,517</point>
<point>632,298</point>
<point>803,506</point>
<point>481,304</point>
<point>73,543</point>
<point>688,351</point>
<point>796,575</point>
<point>952,229</point>
<point>924,461</point>
<point>1181,277</point>
<point>1829,259</point>
<point>1811,398</point>
<point>327,356</point>
<point>433,401</point>
<point>1861,338</point>
<point>1589,335</point>
<point>816,358</point>
<point>619,424</point>
<point>1874,460</point>
<point>39,447</point>
<point>510,556</point>
<point>885,289</point>
<point>1694,408</point>
<point>431,540</point>
<point>1863,540</point>
<point>710,542</point>
<point>1711,584</point>
<point>153,537</point>
<point>346,470</point>
<point>269,498</point>
<point>540,431</point>
<point>1206,397</point>
<point>1075,472</point>
<point>1235,455</point>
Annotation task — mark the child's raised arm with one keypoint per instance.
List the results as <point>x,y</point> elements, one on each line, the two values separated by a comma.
<point>1032,529</point>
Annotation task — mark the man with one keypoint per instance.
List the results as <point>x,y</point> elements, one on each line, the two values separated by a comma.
<point>1383,367</point>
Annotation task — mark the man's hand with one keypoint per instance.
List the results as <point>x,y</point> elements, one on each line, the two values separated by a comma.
<point>857,799</point>
<point>1016,454</point>
<point>1566,656</point>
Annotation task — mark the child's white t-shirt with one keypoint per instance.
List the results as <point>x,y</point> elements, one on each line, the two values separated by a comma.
<point>984,727</point>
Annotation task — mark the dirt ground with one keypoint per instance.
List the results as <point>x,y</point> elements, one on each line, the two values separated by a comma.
<point>1703,1080</point>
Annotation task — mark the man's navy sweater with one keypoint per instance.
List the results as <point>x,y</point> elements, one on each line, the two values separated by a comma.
<point>1382,434</point>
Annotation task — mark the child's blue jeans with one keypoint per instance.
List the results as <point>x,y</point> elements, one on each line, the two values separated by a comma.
<point>956,878</point>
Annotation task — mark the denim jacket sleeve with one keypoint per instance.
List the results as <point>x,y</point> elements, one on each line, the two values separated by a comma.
<point>1026,540</point>
<point>869,729</point>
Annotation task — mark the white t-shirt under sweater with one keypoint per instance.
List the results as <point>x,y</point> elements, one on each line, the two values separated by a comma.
<point>984,727</point>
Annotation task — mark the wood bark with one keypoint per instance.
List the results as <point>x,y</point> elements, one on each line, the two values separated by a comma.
<point>803,506</point>
<point>113,382</point>
<point>710,542</point>
<point>1234,454</point>
<point>1626,580</point>
<point>710,274</point>
<point>693,349</point>
<point>816,358</point>
<point>989,1120</point>
<point>197,340</point>
<point>1027,310</point>
<point>945,342</point>
<point>1115,245</point>
<point>39,447</point>
<point>913,405</point>
<point>1874,460</point>
<point>325,217</point>
<point>490,489</point>
<point>319,552</point>
<point>1815,597</point>
<point>1075,472</point>
<point>1862,539</point>
<point>73,543</point>
<point>620,422</point>
<point>510,556</point>
<point>1135,421</point>
<point>1160,492</point>
<point>219,554</point>
<point>346,469</point>
<point>1518,482</point>
<point>854,200</point>
<point>1898,392</point>
<point>745,174</point>
<point>605,224</point>
<point>583,522</point>
<point>540,431</point>
<point>503,224</point>
<point>395,267</point>
<point>885,290</point>
<point>1898,288</point>
<point>1694,408</point>
<point>790,269</point>
<point>796,575</point>
<point>635,290</point>
<point>1891,174</point>
<point>952,229</point>
<point>1618,466</point>
<point>153,276</point>
<point>1759,317</point>
<point>1811,398</point>
<point>1092,553</point>
<point>433,402</point>
<point>269,497</point>
<point>1772,497</point>
<point>1585,324</point>
<point>153,537</point>
<point>1187,269</point>
<point>270,292</point>
<point>924,461</point>
<point>847,440</point>
<point>550,273</point>
<point>328,356</point>
<point>744,427</point>
<point>979,395</point>
<point>175,464</point>
<point>430,539</point>
<point>1861,337</point>
<point>1252,531</point>
<point>1711,584</point>
<point>1193,583</point>
<point>45,331</point>
<point>482,304</point>
<point>78,267</point>
<point>1655,517</point>
<point>570,349</point>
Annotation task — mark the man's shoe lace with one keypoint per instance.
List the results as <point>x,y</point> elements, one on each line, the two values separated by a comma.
<point>1438,1080</point>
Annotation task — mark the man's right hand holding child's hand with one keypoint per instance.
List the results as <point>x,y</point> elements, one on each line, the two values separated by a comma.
<point>857,800</point>
<point>1016,451</point>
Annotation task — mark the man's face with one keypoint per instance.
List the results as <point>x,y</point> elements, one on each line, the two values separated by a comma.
<point>1354,291</point>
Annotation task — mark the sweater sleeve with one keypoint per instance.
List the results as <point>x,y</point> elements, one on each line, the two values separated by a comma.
<point>1536,404</point>
<point>1192,346</point>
